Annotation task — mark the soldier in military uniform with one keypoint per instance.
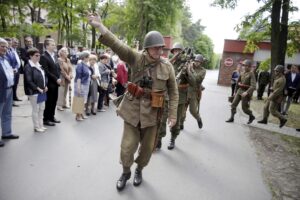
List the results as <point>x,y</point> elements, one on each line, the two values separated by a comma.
<point>275,98</point>
<point>177,60</point>
<point>195,74</point>
<point>152,76</point>
<point>245,87</point>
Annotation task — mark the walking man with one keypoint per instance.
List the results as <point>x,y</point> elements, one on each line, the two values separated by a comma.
<point>246,85</point>
<point>142,104</point>
<point>274,100</point>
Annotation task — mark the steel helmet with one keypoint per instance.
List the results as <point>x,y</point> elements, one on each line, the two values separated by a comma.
<point>279,68</point>
<point>247,62</point>
<point>153,39</point>
<point>199,57</point>
<point>177,46</point>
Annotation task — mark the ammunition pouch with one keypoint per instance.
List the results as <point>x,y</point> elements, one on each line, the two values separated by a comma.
<point>157,99</point>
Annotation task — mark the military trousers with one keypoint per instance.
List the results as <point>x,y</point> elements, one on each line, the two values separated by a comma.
<point>162,131</point>
<point>134,138</point>
<point>271,107</point>
<point>245,104</point>
<point>175,130</point>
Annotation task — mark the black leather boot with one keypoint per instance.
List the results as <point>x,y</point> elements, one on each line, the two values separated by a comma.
<point>158,145</point>
<point>200,124</point>
<point>231,119</point>
<point>172,144</point>
<point>138,178</point>
<point>263,121</point>
<point>121,183</point>
<point>181,127</point>
<point>251,118</point>
<point>282,122</point>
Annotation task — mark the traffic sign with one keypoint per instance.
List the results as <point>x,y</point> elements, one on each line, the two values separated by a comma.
<point>228,62</point>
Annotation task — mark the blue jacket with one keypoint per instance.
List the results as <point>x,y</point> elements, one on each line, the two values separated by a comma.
<point>82,73</point>
<point>3,84</point>
<point>11,57</point>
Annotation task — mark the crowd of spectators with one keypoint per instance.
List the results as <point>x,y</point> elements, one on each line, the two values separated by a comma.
<point>49,84</point>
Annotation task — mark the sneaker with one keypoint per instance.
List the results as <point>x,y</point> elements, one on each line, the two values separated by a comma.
<point>44,128</point>
<point>39,130</point>
<point>101,110</point>
<point>60,108</point>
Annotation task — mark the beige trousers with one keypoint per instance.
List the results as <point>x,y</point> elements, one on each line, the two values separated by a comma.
<point>37,111</point>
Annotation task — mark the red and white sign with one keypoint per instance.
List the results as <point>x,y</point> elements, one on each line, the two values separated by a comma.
<point>228,62</point>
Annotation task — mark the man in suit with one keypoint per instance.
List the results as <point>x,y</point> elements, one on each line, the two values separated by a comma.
<point>17,66</point>
<point>23,51</point>
<point>292,81</point>
<point>6,96</point>
<point>51,67</point>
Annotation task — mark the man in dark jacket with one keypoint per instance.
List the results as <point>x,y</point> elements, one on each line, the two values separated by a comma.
<point>50,65</point>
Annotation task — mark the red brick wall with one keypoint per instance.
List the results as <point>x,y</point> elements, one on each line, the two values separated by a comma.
<point>225,72</point>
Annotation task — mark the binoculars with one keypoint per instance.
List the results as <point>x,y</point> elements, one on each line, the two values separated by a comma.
<point>146,82</point>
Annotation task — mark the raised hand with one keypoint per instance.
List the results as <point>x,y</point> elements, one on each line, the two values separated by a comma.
<point>94,20</point>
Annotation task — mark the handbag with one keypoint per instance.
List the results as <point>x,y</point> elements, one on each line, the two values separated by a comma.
<point>104,85</point>
<point>78,105</point>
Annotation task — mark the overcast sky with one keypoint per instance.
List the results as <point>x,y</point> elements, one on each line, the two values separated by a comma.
<point>220,23</point>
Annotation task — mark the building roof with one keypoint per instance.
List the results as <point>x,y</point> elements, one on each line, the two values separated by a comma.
<point>237,46</point>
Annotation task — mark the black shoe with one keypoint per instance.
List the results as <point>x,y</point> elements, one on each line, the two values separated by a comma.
<point>88,114</point>
<point>138,178</point>
<point>282,122</point>
<point>121,183</point>
<point>231,119</point>
<point>251,118</point>
<point>298,129</point>
<point>181,127</point>
<point>54,120</point>
<point>172,144</point>
<point>263,121</point>
<point>15,105</point>
<point>158,145</point>
<point>10,137</point>
<point>1,143</point>
<point>94,113</point>
<point>200,125</point>
<point>49,123</point>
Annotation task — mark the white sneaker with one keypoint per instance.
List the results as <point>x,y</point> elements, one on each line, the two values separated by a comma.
<point>44,128</point>
<point>60,108</point>
<point>39,130</point>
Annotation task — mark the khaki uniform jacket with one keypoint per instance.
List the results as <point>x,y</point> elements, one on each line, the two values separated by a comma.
<point>278,88</point>
<point>138,110</point>
<point>246,78</point>
<point>195,79</point>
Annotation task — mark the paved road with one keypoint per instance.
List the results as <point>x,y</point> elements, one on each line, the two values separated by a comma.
<point>79,161</point>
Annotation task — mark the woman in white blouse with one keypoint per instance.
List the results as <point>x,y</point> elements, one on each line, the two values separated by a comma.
<point>35,86</point>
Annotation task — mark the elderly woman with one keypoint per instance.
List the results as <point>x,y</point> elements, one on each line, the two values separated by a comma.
<point>82,81</point>
<point>105,72</point>
<point>66,77</point>
<point>95,82</point>
<point>35,88</point>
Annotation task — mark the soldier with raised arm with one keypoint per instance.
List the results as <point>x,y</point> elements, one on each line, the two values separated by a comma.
<point>141,106</point>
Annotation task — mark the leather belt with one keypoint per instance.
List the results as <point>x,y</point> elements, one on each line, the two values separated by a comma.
<point>183,86</point>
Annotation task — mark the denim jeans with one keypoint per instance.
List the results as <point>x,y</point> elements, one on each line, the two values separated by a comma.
<point>5,113</point>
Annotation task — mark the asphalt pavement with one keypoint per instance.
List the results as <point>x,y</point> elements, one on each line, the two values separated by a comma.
<point>80,160</point>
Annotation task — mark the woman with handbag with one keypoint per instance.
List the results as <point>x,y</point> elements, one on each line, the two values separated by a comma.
<point>35,86</point>
<point>66,77</point>
<point>93,90</point>
<point>105,77</point>
<point>81,86</point>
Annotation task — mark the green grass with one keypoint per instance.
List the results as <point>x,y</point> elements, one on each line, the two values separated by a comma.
<point>293,113</point>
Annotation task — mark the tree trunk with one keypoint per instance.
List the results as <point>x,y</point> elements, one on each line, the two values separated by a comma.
<point>275,31</point>
<point>3,23</point>
<point>283,32</point>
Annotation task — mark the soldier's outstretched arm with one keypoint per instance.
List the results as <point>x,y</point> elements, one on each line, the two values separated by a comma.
<point>109,39</point>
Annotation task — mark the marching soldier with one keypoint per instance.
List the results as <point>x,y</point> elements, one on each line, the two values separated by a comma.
<point>142,104</point>
<point>275,98</point>
<point>178,60</point>
<point>246,85</point>
<point>196,74</point>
